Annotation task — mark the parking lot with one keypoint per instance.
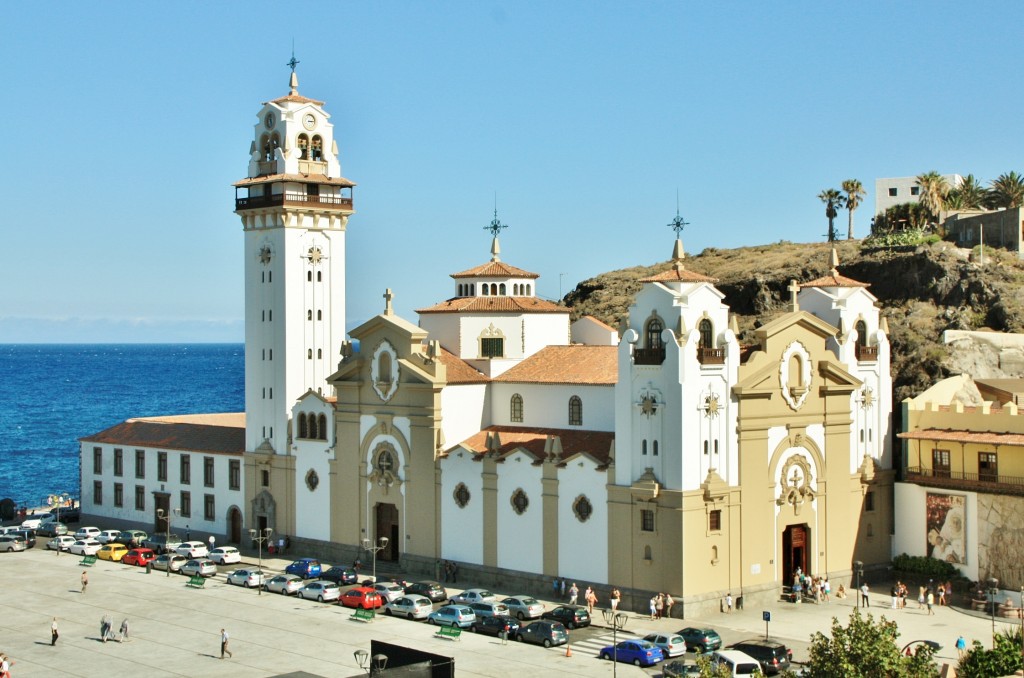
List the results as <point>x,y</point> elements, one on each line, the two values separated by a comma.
<point>175,629</point>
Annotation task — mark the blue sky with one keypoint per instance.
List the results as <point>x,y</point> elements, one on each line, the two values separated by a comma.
<point>128,122</point>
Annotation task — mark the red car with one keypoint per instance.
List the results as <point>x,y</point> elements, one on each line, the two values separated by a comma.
<point>362,596</point>
<point>139,557</point>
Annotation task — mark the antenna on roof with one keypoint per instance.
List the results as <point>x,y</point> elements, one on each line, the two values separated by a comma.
<point>678,224</point>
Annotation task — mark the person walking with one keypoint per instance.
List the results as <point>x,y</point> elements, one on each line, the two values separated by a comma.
<point>124,630</point>
<point>659,605</point>
<point>562,586</point>
<point>5,666</point>
<point>574,594</point>
<point>455,572</point>
<point>85,580</point>
<point>591,600</point>
<point>53,632</point>
<point>616,597</point>
<point>961,647</point>
<point>669,602</point>
<point>864,600</point>
<point>554,587</point>
<point>728,603</point>
<point>826,589</point>
<point>224,644</point>
<point>504,633</point>
<point>930,601</point>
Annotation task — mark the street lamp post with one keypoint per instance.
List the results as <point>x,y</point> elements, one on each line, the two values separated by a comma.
<point>617,620</point>
<point>382,544</point>
<point>993,589</point>
<point>858,567</point>
<point>260,536</point>
<point>166,517</point>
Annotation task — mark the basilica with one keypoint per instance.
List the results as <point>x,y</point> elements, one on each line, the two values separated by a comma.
<point>496,432</point>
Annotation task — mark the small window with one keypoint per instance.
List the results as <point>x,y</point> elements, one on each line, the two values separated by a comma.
<point>384,368</point>
<point>208,471</point>
<point>303,427</point>
<point>862,333</point>
<point>647,553</point>
<point>118,495</point>
<point>234,474</point>
<point>319,276</point>
<point>582,509</point>
<point>118,462</point>
<point>988,467</point>
<point>715,520</point>
<point>265,478</point>
<point>492,347</point>
<point>322,420</point>
<point>314,432</point>
<point>319,354</point>
<point>186,469</point>
<point>140,498</point>
<point>309,354</point>
<point>654,448</point>
<point>97,493</point>
<point>461,495</point>
<point>309,314</point>
<point>646,520</point>
<point>892,192</point>
<point>501,289</point>
<point>161,467</point>
<point>516,407</point>
<point>520,502</point>
<point>303,144</point>
<point>654,330</point>
<point>319,315</point>
<point>706,333</point>
<point>575,411</point>
<point>209,508</point>
<point>869,501</point>
<point>915,190</point>
<point>97,460</point>
<point>186,504</point>
<point>140,463</point>
<point>643,448</point>
<point>317,148</point>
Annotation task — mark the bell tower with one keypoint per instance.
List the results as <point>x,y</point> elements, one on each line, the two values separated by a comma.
<point>294,206</point>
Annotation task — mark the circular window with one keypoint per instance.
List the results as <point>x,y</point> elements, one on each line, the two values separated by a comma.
<point>461,495</point>
<point>582,508</point>
<point>312,480</point>
<point>520,502</point>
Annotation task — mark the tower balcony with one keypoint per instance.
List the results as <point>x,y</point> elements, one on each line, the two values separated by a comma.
<point>711,356</point>
<point>290,199</point>
<point>867,354</point>
<point>649,356</point>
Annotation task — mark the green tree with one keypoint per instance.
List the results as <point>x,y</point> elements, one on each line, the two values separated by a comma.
<point>903,217</point>
<point>833,200</point>
<point>1003,660</point>
<point>933,193</point>
<point>1007,190</point>
<point>854,196</point>
<point>864,649</point>
<point>969,195</point>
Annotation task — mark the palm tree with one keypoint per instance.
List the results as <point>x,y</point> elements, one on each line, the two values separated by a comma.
<point>833,200</point>
<point>1007,190</point>
<point>969,195</point>
<point>933,192</point>
<point>854,194</point>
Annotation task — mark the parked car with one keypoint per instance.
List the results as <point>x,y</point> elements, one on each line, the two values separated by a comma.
<point>524,607</point>
<point>139,557</point>
<point>225,555</point>
<point>671,644</point>
<point>430,589</point>
<point>680,669</point>
<point>112,552</point>
<point>246,577</point>
<point>162,543</point>
<point>410,606</point>
<point>772,655</point>
<point>87,533</point>
<point>28,535</point>
<point>389,590</point>
<point>285,584</point>
<point>33,521</point>
<point>493,626</point>
<point>107,536</point>
<point>131,538</point>
<point>452,615</point>
<point>193,549</point>
<point>701,639</point>
<point>85,547</point>
<point>340,575</point>
<point>307,568</point>
<point>62,543</point>
<point>320,590</point>
<point>66,515</point>
<point>362,596</point>
<point>543,632</point>
<point>489,609</point>
<point>12,542</point>
<point>202,567</point>
<point>169,560</point>
<point>738,663</point>
<point>473,596</point>
<point>637,652</point>
<point>52,529</point>
<point>573,616</point>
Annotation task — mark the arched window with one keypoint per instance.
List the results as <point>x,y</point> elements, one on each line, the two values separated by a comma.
<point>654,446</point>
<point>313,430</point>
<point>647,553</point>
<point>515,290</point>
<point>275,143</point>
<point>384,368</point>
<point>303,144</point>
<point>529,290</point>
<point>516,414</point>
<point>309,276</point>
<point>653,332</point>
<point>643,447</point>
<point>705,447</point>
<point>303,428</point>
<point>575,411</point>
<point>309,314</point>
<point>322,419</point>
<point>706,333</point>
<point>796,372</point>
<point>318,148</point>
<point>494,289</point>
<point>472,289</point>
<point>862,333</point>
<point>501,289</point>
<point>309,354</point>
<point>265,147</point>
<point>319,315</point>
<point>319,354</point>
<point>319,276</point>
<point>270,276</point>
<point>485,289</point>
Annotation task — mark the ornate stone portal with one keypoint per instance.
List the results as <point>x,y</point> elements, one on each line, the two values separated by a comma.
<point>796,483</point>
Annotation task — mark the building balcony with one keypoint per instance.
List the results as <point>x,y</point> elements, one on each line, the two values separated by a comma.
<point>711,356</point>
<point>991,483</point>
<point>648,356</point>
<point>290,199</point>
<point>867,354</point>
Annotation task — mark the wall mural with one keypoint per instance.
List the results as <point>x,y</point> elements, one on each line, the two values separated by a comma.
<point>1001,539</point>
<point>944,514</point>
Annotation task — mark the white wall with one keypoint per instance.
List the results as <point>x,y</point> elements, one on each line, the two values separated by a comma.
<point>547,405</point>
<point>464,412</point>
<point>520,537</point>
<point>579,477</point>
<point>462,529</point>
<point>313,507</point>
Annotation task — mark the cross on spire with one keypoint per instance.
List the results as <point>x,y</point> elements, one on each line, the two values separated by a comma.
<point>794,289</point>
<point>495,227</point>
<point>678,224</point>
<point>293,62</point>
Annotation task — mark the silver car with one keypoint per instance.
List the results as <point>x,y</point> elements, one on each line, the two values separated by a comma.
<point>200,567</point>
<point>489,610</point>
<point>411,606</point>
<point>470,596</point>
<point>168,560</point>
<point>321,590</point>
<point>10,542</point>
<point>246,578</point>
<point>524,607</point>
<point>285,584</point>
<point>389,591</point>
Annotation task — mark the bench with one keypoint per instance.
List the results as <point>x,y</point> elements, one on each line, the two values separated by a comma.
<point>453,632</point>
<point>88,560</point>
<point>365,615</point>
<point>196,582</point>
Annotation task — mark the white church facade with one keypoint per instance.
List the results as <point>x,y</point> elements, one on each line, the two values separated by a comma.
<point>494,432</point>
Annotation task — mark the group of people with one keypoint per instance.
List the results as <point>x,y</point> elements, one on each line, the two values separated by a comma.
<point>450,571</point>
<point>106,629</point>
<point>661,605</point>
<point>819,589</point>
<point>560,590</point>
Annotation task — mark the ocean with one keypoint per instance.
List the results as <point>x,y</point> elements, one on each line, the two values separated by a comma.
<point>53,394</point>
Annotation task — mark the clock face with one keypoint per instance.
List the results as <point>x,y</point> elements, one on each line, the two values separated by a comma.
<point>309,121</point>
<point>270,120</point>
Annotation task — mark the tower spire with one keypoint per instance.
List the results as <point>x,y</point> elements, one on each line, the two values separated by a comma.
<point>677,225</point>
<point>495,227</point>
<point>293,82</point>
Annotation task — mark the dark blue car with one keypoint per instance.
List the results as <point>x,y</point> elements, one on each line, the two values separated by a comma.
<point>639,652</point>
<point>307,568</point>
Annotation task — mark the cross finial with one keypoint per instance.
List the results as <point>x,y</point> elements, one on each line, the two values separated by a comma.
<point>678,224</point>
<point>495,227</point>
<point>794,289</point>
<point>388,296</point>
<point>293,62</point>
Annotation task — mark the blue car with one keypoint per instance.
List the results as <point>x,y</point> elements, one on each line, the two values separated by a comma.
<point>307,568</point>
<point>639,652</point>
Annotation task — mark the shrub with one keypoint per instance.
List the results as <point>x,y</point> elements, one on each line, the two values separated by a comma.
<point>925,567</point>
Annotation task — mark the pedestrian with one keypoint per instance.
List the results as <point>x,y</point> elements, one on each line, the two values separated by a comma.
<point>669,602</point>
<point>591,600</point>
<point>728,603</point>
<point>5,666</point>
<point>574,594</point>
<point>659,605</point>
<point>930,601</point>
<point>654,606</point>
<point>358,564</point>
<point>504,633</point>
<point>826,589</point>
<point>85,580</point>
<point>894,592</point>
<point>961,647</point>
<point>124,630</point>
<point>864,600</point>
<point>224,644</point>
<point>942,594</point>
<point>455,572</point>
<point>213,542</point>
<point>563,587</point>
<point>280,545</point>
<point>554,587</point>
<point>53,632</point>
<point>616,597</point>
<point>841,591</point>
<point>188,533</point>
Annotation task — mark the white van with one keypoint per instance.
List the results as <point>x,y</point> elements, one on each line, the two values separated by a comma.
<point>739,663</point>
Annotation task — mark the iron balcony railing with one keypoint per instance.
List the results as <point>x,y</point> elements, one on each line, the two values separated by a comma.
<point>980,482</point>
<point>711,356</point>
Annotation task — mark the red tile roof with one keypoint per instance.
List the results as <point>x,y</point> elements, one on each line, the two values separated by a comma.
<point>459,371</point>
<point>574,364</point>
<point>495,305</point>
<point>678,275</point>
<point>215,433</point>
<point>833,279</point>
<point>296,98</point>
<point>594,444</point>
<point>983,437</point>
<point>298,178</point>
<point>495,269</point>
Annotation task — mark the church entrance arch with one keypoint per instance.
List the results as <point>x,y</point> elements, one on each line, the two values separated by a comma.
<point>234,525</point>
<point>795,547</point>
<point>387,526</point>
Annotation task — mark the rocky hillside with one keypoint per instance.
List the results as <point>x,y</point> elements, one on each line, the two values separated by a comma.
<point>923,291</point>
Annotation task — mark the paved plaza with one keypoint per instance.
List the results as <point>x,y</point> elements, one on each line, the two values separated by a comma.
<point>175,630</point>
